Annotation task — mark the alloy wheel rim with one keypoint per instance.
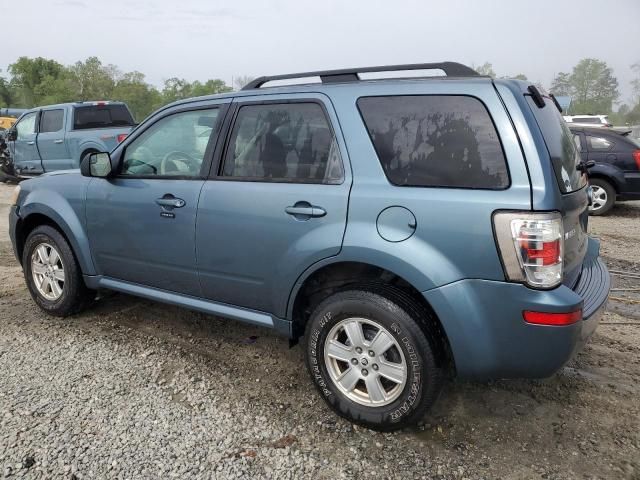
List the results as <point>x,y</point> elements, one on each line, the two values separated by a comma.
<point>599,198</point>
<point>47,270</point>
<point>365,362</point>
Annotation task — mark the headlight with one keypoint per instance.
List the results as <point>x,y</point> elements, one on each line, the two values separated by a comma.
<point>14,195</point>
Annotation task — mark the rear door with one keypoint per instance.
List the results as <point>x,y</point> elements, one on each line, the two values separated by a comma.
<point>276,204</point>
<point>25,150</point>
<point>53,149</point>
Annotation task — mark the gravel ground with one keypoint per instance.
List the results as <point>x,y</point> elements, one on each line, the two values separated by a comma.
<point>135,389</point>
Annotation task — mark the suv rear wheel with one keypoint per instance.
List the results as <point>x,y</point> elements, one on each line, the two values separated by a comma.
<point>52,273</point>
<point>371,360</point>
<point>604,196</point>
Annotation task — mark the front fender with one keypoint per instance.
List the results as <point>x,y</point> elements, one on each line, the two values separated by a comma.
<point>59,209</point>
<point>608,172</point>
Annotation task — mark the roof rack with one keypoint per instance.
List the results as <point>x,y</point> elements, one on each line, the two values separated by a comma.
<point>451,69</point>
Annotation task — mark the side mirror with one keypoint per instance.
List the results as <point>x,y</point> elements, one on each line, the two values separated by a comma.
<point>96,165</point>
<point>12,135</point>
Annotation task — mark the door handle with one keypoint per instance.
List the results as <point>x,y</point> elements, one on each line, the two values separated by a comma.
<point>170,202</point>
<point>31,142</point>
<point>57,141</point>
<point>304,209</point>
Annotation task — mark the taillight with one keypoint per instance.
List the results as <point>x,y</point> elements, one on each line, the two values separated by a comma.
<point>636,157</point>
<point>531,246</point>
<point>121,137</point>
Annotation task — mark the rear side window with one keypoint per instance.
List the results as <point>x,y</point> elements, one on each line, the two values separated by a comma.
<point>599,143</point>
<point>283,142</point>
<point>560,145</point>
<point>51,121</point>
<point>435,141</point>
<point>101,116</point>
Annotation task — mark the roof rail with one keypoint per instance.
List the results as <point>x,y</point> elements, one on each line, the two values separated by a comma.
<point>451,69</point>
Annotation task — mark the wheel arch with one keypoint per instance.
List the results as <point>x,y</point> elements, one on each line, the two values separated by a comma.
<point>327,278</point>
<point>60,216</point>
<point>609,174</point>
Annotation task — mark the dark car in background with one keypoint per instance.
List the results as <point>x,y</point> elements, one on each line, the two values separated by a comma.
<point>616,173</point>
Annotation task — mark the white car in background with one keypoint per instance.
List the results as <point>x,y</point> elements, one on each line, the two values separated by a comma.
<point>588,120</point>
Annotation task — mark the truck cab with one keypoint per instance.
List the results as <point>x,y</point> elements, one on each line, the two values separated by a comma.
<point>57,137</point>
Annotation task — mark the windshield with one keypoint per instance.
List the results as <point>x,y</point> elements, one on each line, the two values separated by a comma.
<point>560,145</point>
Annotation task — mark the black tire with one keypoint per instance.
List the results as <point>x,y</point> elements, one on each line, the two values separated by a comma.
<point>410,326</point>
<point>75,294</point>
<point>610,193</point>
<point>87,152</point>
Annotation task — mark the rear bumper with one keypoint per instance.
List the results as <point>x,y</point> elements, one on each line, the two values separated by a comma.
<point>489,338</point>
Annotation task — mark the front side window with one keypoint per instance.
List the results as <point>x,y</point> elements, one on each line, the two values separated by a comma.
<point>283,142</point>
<point>599,143</point>
<point>51,121</point>
<point>435,141</point>
<point>26,126</point>
<point>173,146</point>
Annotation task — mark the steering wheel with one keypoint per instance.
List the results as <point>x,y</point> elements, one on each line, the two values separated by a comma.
<point>172,160</point>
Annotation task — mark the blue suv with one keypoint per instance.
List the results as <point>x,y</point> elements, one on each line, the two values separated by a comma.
<point>406,229</point>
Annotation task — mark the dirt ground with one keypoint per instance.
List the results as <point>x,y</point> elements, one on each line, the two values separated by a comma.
<point>135,389</point>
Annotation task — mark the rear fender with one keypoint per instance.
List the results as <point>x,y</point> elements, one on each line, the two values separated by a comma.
<point>611,174</point>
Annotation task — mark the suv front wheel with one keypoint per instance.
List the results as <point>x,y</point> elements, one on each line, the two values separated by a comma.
<point>53,274</point>
<point>371,358</point>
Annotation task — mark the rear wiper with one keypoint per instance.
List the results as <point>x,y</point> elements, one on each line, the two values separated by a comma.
<point>555,100</point>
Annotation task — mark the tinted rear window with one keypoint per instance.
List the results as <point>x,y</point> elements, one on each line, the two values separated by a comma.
<point>560,145</point>
<point>435,141</point>
<point>101,116</point>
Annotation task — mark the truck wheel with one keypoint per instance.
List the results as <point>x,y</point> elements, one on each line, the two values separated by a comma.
<point>52,273</point>
<point>604,196</point>
<point>371,360</point>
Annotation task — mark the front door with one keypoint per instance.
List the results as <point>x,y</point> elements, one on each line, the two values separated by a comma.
<point>54,151</point>
<point>25,151</point>
<point>277,204</point>
<point>141,223</point>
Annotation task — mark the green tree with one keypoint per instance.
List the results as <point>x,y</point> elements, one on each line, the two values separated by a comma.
<point>175,89</point>
<point>561,84</point>
<point>485,69</point>
<point>141,97</point>
<point>37,81</point>
<point>210,87</point>
<point>635,83</point>
<point>593,87</point>
<point>6,93</point>
<point>91,80</point>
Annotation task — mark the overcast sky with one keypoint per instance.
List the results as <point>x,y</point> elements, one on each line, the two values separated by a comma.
<point>200,39</point>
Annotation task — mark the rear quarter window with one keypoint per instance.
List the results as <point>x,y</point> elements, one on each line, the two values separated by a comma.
<point>435,141</point>
<point>558,139</point>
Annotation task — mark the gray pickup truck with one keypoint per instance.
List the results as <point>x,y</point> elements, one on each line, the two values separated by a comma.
<point>57,137</point>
